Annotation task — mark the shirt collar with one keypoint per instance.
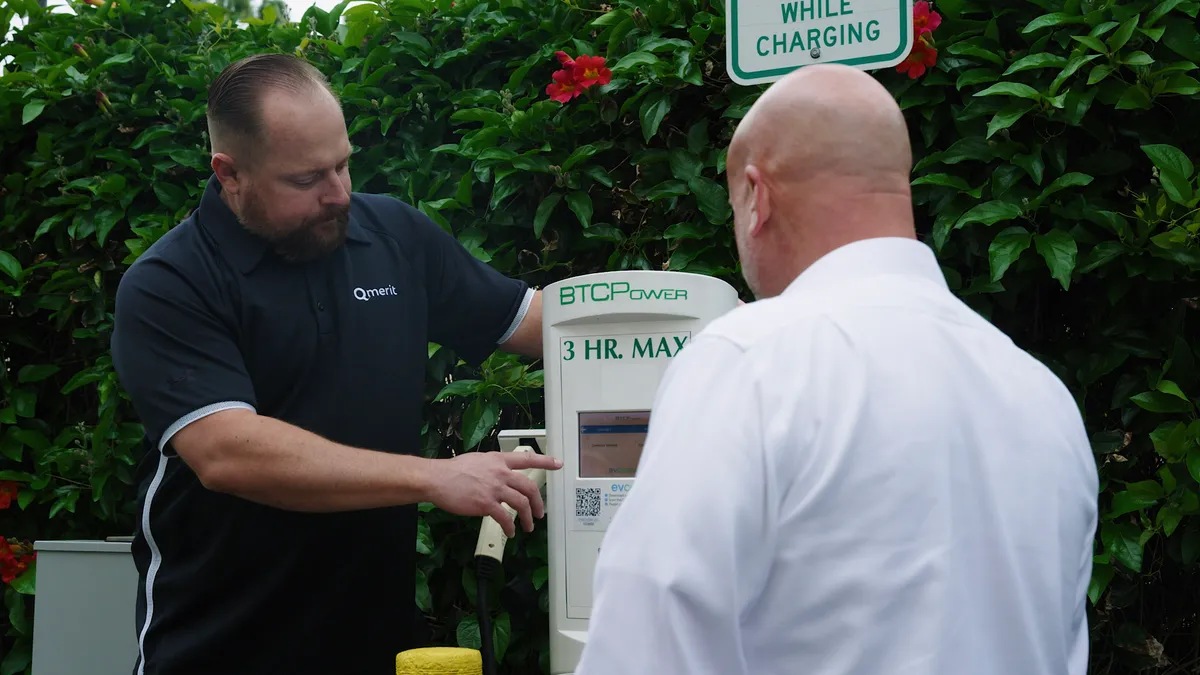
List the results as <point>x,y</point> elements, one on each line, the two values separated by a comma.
<point>868,258</point>
<point>245,249</point>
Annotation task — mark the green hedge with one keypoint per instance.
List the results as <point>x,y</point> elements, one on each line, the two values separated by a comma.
<point>1054,177</point>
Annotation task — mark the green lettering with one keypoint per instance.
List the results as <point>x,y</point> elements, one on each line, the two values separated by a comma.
<point>679,342</point>
<point>620,288</point>
<point>778,43</point>
<point>830,41</point>
<point>570,350</point>
<point>606,297</point>
<point>643,350</point>
<point>808,10</point>
<point>789,8</point>
<point>758,46</point>
<point>587,349</point>
<point>681,294</point>
<point>654,294</point>
<point>846,7</point>
<point>566,295</point>
<point>610,349</point>
<point>855,33</point>
<point>814,36</point>
<point>829,10</point>
<point>797,42</point>
<point>872,30</point>
<point>663,348</point>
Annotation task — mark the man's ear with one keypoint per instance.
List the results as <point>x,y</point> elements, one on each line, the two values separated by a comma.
<point>760,200</point>
<point>227,173</point>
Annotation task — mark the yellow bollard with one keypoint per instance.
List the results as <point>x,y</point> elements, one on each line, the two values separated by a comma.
<point>439,661</point>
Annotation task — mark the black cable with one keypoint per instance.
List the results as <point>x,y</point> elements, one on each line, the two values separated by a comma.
<point>485,567</point>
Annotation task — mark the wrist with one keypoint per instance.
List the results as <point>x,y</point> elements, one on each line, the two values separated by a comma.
<point>420,478</point>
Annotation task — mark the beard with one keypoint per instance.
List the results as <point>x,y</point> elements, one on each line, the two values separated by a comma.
<point>308,240</point>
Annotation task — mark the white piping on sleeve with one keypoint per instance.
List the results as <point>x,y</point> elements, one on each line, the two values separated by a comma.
<point>155,484</point>
<point>198,414</point>
<point>516,323</point>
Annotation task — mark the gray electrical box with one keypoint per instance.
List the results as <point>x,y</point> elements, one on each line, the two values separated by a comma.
<point>83,623</point>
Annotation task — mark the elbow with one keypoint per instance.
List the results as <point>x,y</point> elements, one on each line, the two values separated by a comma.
<point>209,448</point>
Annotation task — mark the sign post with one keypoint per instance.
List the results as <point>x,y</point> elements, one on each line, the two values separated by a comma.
<point>767,39</point>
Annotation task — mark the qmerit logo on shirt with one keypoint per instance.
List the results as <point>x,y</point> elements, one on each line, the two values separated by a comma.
<point>367,294</point>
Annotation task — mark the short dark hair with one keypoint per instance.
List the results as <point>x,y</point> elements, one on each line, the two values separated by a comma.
<point>233,109</point>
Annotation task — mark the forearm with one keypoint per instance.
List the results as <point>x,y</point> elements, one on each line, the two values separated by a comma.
<point>271,462</point>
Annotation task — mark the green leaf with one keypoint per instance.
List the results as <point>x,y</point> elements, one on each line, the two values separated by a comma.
<point>18,658</point>
<point>712,198</point>
<point>633,60</point>
<point>33,373</point>
<point>1073,179</point>
<point>1181,84</point>
<point>26,583</point>
<point>1008,116</point>
<point>1168,519</point>
<point>687,230</point>
<point>1052,19</point>
<point>951,181</point>
<point>10,266</point>
<point>989,213</point>
<point>1091,43</point>
<point>1138,59</point>
<point>1034,61</point>
<point>1103,253</point>
<point>1169,387</point>
<point>32,111</point>
<point>1134,98</point>
<point>540,575</point>
<point>117,59</point>
<point>1099,73</point>
<point>459,388</point>
<point>467,632</point>
<point>1102,574</point>
<point>1123,541</point>
<point>652,112</point>
<point>1158,402</point>
<point>1005,248</point>
<point>1121,37</point>
<point>666,189</point>
<point>478,419</point>
<point>1193,463</point>
<point>685,165</point>
<point>501,635</point>
<point>1170,440</point>
<point>542,216</point>
<point>1011,89</point>
<point>581,205</point>
<point>1161,10</point>
<point>1175,170</point>
<point>24,402</point>
<point>1059,250</point>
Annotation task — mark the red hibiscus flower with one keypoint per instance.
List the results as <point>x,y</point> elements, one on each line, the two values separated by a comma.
<point>564,88</point>
<point>566,61</point>
<point>590,70</point>
<point>13,561</point>
<point>924,19</point>
<point>922,56</point>
<point>8,492</point>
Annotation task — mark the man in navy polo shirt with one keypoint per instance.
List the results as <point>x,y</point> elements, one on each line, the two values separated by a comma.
<point>274,346</point>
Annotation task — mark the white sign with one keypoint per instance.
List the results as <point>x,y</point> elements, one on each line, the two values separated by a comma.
<point>767,39</point>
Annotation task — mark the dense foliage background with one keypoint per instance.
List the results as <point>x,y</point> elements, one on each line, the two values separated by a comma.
<point>1055,176</point>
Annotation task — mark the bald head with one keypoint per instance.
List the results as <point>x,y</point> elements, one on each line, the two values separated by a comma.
<point>821,160</point>
<point>821,122</point>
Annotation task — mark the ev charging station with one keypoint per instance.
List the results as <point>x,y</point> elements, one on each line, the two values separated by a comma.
<point>607,339</point>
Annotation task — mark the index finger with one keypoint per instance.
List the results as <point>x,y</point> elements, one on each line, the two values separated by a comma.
<point>531,460</point>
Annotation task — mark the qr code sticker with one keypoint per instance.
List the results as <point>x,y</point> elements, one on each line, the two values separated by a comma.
<point>587,502</point>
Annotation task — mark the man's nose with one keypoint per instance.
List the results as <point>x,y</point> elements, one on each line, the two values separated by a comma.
<point>337,194</point>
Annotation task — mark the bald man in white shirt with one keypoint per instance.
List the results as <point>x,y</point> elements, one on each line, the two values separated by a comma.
<point>856,474</point>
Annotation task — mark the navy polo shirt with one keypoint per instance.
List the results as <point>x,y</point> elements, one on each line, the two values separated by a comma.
<point>209,318</point>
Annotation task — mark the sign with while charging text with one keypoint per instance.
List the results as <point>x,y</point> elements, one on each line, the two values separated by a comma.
<point>767,39</point>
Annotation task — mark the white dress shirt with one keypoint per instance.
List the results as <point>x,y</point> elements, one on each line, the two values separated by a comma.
<point>860,476</point>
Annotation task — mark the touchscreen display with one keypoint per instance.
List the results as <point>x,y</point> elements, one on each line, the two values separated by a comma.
<point>610,443</point>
